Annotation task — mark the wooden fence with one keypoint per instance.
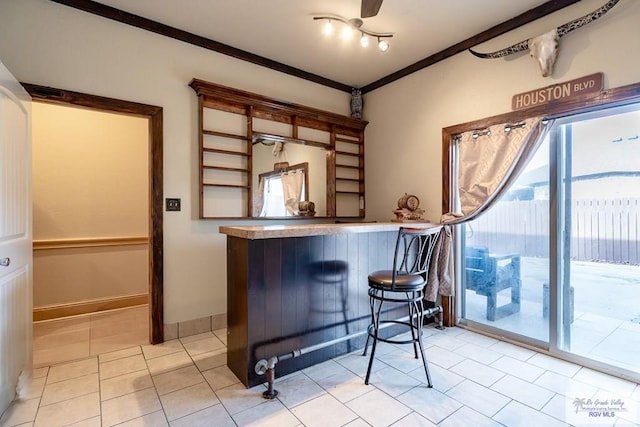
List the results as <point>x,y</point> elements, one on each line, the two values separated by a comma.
<point>603,230</point>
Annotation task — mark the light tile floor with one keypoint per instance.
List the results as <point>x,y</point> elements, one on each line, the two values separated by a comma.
<point>56,341</point>
<point>478,381</point>
<point>606,325</point>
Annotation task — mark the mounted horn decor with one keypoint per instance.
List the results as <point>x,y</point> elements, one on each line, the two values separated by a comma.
<point>544,48</point>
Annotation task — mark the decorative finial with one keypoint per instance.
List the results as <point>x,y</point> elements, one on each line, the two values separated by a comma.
<point>356,103</point>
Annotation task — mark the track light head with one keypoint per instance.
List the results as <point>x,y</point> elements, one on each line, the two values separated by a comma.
<point>383,45</point>
<point>364,40</point>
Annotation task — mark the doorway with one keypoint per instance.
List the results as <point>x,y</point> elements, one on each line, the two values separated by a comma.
<point>153,115</point>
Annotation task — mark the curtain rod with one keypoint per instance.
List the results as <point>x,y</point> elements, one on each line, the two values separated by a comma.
<point>508,127</point>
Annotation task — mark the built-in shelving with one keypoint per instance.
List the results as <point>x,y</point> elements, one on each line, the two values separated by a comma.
<point>232,121</point>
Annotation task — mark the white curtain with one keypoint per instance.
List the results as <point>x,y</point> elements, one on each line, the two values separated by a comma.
<point>488,162</point>
<point>258,197</point>
<point>292,182</point>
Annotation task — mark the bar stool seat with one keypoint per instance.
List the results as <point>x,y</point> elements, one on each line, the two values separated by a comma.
<point>383,280</point>
<point>403,284</point>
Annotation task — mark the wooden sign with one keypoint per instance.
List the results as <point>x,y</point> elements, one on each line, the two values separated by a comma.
<point>560,91</point>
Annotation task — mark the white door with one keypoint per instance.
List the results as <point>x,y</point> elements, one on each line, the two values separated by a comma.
<point>15,236</point>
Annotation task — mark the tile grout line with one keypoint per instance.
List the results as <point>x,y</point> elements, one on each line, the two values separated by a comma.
<point>164,413</point>
<point>205,380</point>
<point>99,377</point>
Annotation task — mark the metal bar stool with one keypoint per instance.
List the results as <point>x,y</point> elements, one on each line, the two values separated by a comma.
<point>404,284</point>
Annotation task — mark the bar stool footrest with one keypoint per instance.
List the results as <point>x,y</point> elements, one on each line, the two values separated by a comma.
<point>371,332</point>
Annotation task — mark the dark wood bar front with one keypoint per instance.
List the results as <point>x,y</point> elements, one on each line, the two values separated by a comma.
<point>290,287</point>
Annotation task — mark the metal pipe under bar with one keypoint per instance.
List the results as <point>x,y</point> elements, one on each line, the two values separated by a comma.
<point>268,366</point>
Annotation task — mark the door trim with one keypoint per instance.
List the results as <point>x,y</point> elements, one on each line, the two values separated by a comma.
<point>154,114</point>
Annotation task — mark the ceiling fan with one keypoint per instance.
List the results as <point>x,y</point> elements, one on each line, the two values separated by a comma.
<point>369,8</point>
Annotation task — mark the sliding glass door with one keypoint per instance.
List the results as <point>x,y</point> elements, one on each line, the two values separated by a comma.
<point>556,262</point>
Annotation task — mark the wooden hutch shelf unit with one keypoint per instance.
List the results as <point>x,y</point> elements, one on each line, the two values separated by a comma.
<point>231,121</point>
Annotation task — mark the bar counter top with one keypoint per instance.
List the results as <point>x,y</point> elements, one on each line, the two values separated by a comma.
<point>255,232</point>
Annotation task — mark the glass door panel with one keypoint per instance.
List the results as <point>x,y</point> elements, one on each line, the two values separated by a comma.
<point>505,257</point>
<point>599,209</point>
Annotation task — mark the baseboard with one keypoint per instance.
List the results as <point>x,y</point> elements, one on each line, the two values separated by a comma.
<point>201,325</point>
<point>89,306</point>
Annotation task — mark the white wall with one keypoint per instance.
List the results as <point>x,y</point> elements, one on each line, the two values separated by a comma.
<point>49,44</point>
<point>90,173</point>
<point>404,136</point>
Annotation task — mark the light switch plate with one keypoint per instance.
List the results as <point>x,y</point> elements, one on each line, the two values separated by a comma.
<point>172,205</point>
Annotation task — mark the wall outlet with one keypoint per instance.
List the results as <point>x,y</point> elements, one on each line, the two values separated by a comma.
<point>172,205</point>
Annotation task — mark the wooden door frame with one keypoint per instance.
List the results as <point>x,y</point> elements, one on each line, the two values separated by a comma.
<point>154,115</point>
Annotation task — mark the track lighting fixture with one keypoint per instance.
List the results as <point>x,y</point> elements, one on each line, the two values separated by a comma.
<point>351,27</point>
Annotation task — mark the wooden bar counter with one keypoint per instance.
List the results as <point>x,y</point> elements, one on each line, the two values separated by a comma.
<point>293,286</point>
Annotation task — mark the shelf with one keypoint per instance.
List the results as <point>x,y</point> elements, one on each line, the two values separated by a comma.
<point>224,168</point>
<point>347,153</point>
<point>258,136</point>
<point>224,134</point>
<point>228,152</point>
<point>350,141</point>
<point>226,185</point>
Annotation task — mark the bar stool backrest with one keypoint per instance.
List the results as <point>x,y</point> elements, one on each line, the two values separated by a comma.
<point>414,251</point>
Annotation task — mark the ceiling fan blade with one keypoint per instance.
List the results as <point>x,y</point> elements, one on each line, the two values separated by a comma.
<point>369,8</point>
